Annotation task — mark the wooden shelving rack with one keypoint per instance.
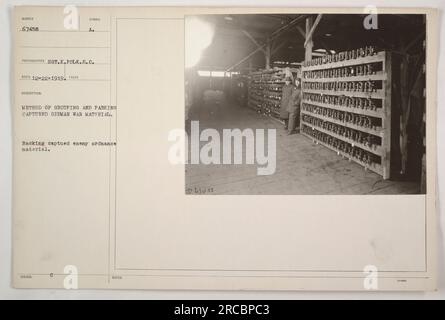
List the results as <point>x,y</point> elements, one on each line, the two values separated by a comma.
<point>255,91</point>
<point>346,106</point>
<point>264,90</point>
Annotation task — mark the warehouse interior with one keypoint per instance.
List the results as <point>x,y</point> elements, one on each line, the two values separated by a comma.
<point>361,118</point>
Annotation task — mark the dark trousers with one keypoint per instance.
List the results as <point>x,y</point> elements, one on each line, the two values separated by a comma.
<point>294,121</point>
<point>187,126</point>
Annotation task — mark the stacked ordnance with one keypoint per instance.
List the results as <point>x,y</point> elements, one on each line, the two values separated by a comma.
<point>255,92</point>
<point>265,90</point>
<point>349,150</point>
<point>346,105</point>
<point>354,54</point>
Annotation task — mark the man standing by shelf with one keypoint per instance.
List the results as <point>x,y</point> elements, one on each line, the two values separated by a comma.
<point>188,95</point>
<point>286,94</point>
<point>293,107</point>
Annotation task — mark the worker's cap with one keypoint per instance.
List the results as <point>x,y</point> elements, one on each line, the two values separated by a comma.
<point>298,74</point>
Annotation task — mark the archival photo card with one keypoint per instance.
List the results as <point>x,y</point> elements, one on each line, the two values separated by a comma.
<point>305,104</point>
<point>221,148</point>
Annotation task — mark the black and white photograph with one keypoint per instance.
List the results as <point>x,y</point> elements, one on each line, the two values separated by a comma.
<point>224,150</point>
<point>305,104</point>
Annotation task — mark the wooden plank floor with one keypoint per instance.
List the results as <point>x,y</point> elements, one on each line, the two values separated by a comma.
<point>302,167</point>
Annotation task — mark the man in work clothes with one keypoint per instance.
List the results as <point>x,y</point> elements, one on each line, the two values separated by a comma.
<point>293,108</point>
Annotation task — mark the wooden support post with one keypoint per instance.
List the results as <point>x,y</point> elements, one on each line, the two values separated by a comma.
<point>423,172</point>
<point>309,43</point>
<point>404,113</point>
<point>267,55</point>
<point>386,121</point>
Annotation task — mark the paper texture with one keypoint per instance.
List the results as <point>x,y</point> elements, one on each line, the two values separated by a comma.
<point>97,203</point>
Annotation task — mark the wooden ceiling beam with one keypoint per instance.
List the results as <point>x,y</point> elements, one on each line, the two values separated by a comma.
<point>300,29</point>
<point>274,34</point>
<point>248,35</point>
<point>311,32</point>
